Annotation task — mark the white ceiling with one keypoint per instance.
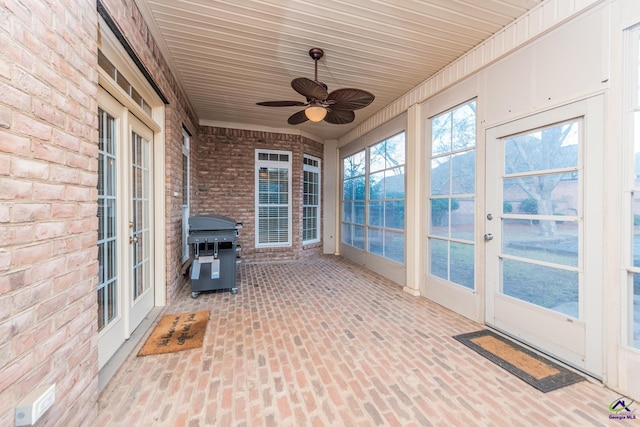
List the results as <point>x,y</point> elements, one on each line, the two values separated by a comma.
<point>229,54</point>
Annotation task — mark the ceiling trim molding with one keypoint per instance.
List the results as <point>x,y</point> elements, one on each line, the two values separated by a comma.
<point>532,25</point>
<point>246,126</point>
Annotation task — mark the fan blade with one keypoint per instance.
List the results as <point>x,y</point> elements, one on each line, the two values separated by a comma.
<point>349,99</point>
<point>281,103</point>
<point>339,117</point>
<point>309,88</point>
<point>297,118</point>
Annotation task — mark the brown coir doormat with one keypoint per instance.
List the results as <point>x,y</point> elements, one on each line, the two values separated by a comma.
<point>177,332</point>
<point>530,367</point>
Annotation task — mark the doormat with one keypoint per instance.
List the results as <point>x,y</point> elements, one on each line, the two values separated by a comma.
<point>177,332</point>
<point>530,367</point>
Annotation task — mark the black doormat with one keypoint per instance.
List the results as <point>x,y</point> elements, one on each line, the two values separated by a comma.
<point>530,367</point>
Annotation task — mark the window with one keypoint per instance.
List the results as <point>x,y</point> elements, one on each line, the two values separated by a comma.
<point>375,189</point>
<point>186,164</point>
<point>452,195</point>
<point>117,76</point>
<point>632,297</point>
<point>273,201</point>
<point>311,200</point>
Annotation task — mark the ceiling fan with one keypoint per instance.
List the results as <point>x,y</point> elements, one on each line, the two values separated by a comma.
<point>335,107</point>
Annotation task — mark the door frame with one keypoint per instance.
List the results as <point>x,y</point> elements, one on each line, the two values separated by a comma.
<point>110,46</point>
<point>590,266</point>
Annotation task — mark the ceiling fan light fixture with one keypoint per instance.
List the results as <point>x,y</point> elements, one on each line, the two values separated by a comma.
<point>315,113</point>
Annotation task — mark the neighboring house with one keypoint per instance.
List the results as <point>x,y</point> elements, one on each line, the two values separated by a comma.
<point>101,157</point>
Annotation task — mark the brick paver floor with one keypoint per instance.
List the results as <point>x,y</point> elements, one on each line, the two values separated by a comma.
<point>324,342</point>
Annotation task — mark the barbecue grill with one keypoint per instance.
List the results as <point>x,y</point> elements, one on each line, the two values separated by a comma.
<point>215,253</point>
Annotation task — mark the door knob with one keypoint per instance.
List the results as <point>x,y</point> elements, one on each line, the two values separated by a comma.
<point>488,237</point>
<point>135,239</point>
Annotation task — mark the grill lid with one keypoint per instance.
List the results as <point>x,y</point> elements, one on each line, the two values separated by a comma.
<point>212,222</point>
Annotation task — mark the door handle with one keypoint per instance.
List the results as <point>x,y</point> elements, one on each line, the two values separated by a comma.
<point>488,237</point>
<point>133,239</point>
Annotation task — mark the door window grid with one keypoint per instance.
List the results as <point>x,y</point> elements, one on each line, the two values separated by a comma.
<point>452,195</point>
<point>373,198</point>
<point>107,221</point>
<point>311,200</point>
<point>632,296</point>
<point>140,214</point>
<point>541,214</point>
<point>273,201</point>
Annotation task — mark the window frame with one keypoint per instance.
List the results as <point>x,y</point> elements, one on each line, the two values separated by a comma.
<point>366,227</point>
<point>314,169</point>
<point>280,164</point>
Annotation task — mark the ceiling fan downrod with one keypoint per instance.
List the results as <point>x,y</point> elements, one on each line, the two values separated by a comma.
<point>316,53</point>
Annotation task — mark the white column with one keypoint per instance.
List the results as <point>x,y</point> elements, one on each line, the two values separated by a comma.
<point>331,193</point>
<point>414,195</point>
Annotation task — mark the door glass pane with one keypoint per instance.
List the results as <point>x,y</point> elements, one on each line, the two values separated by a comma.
<point>463,219</point>
<point>548,287</point>
<point>107,280</point>
<point>441,176</point>
<point>523,238</point>
<point>463,173</point>
<point>140,230</point>
<point>439,258</point>
<point>555,147</point>
<point>462,264</point>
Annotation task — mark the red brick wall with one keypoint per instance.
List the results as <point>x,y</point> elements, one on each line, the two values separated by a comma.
<point>48,196</point>
<point>48,223</point>
<point>226,176</point>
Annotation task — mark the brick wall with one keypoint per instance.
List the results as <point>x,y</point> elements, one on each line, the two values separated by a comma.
<point>226,176</point>
<point>48,196</point>
<point>48,223</point>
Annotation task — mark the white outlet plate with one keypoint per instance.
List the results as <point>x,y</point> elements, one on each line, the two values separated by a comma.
<point>34,405</point>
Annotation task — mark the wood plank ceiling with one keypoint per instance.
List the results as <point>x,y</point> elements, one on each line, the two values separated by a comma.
<point>229,54</point>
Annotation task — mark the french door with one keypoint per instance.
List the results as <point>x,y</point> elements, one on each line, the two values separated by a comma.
<point>125,214</point>
<point>543,230</point>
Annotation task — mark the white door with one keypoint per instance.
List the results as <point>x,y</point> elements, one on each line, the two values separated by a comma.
<point>451,231</point>
<point>140,297</point>
<point>543,232</point>
<point>125,211</point>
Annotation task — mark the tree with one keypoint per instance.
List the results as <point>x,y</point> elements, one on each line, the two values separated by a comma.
<point>537,154</point>
<point>440,208</point>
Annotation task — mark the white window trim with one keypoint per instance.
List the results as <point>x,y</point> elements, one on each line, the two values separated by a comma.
<point>275,164</point>
<point>317,170</point>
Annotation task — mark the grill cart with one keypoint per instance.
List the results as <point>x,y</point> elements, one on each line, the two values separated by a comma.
<point>215,253</point>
